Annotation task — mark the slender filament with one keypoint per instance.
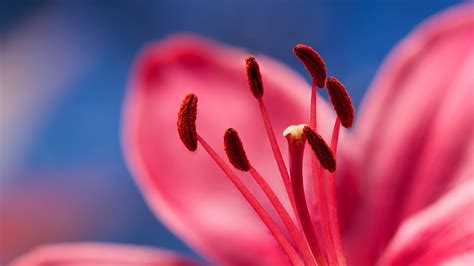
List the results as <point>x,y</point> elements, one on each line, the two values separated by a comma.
<point>319,186</point>
<point>296,171</point>
<point>277,154</point>
<point>264,216</point>
<point>285,217</point>
<point>332,203</point>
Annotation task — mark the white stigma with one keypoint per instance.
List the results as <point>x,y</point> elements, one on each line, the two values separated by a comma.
<point>295,133</point>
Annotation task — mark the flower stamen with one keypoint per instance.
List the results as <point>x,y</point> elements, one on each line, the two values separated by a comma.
<point>321,149</point>
<point>345,115</point>
<point>187,131</point>
<point>254,77</point>
<point>342,104</point>
<point>341,101</point>
<point>332,202</point>
<point>312,62</point>
<point>187,122</point>
<point>235,150</point>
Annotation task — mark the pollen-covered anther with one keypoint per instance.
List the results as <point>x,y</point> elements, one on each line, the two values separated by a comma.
<point>321,149</point>
<point>187,122</point>
<point>235,150</point>
<point>254,77</point>
<point>341,101</point>
<point>312,62</point>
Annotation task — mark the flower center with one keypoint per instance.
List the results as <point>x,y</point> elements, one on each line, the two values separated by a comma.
<point>302,246</point>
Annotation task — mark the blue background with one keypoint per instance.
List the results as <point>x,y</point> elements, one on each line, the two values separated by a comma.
<point>83,129</point>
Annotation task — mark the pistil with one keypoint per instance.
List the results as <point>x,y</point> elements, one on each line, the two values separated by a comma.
<point>296,144</point>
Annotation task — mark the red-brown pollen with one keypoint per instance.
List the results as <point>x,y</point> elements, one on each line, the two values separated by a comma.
<point>254,77</point>
<point>321,149</point>
<point>312,62</point>
<point>341,101</point>
<point>235,150</point>
<point>187,122</point>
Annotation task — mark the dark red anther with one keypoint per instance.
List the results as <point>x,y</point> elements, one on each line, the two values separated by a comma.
<point>187,122</point>
<point>254,77</point>
<point>313,63</point>
<point>321,149</point>
<point>341,101</point>
<point>235,150</point>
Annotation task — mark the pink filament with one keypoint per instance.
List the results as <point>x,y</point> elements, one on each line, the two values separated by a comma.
<point>264,216</point>
<point>285,217</point>
<point>318,174</point>
<point>318,177</point>
<point>313,111</point>
<point>277,153</point>
<point>296,171</point>
<point>332,202</point>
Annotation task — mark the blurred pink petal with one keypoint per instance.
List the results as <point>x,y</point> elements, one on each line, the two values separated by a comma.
<point>439,234</point>
<point>95,254</point>
<point>415,125</point>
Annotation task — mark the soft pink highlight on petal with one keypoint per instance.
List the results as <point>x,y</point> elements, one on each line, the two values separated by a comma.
<point>446,141</point>
<point>439,233</point>
<point>95,254</point>
<point>414,126</point>
<point>186,190</point>
<point>460,259</point>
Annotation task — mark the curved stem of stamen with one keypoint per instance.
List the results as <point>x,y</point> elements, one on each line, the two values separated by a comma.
<point>277,153</point>
<point>312,114</point>
<point>318,175</point>
<point>296,171</point>
<point>264,216</point>
<point>319,188</point>
<point>332,202</point>
<point>285,217</point>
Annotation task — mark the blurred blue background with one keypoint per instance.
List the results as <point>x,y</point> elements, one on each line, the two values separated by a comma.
<point>64,68</point>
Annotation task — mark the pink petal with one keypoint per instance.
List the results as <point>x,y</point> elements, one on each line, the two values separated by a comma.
<point>460,259</point>
<point>416,124</point>
<point>439,234</point>
<point>186,190</point>
<point>94,254</point>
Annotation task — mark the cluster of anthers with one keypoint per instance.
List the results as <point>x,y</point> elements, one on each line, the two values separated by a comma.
<point>302,246</point>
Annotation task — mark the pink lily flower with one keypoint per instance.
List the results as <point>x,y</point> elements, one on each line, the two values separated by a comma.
<point>404,174</point>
